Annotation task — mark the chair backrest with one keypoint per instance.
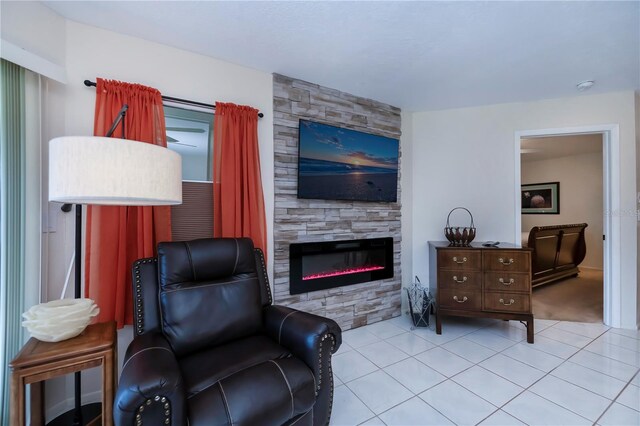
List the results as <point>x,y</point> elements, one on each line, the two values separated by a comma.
<point>201,293</point>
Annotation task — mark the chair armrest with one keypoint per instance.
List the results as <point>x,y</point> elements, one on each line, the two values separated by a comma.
<point>151,389</point>
<point>308,337</point>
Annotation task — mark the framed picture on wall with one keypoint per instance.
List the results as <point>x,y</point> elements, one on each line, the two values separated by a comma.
<point>541,198</point>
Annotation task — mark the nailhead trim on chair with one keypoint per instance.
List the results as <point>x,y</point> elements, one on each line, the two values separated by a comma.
<point>264,272</point>
<point>333,344</point>
<point>138,296</point>
<point>159,399</point>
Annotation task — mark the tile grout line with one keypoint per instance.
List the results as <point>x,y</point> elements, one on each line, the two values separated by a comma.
<point>533,366</point>
<point>598,371</point>
<point>390,408</point>
<point>451,378</point>
<point>553,402</point>
<point>498,408</point>
<point>576,334</point>
<point>614,400</point>
<point>593,339</point>
<point>461,371</point>
<point>613,359</point>
<point>484,399</point>
<point>619,346</point>
<point>603,356</point>
<point>546,374</point>
<point>523,390</point>
<point>582,387</point>
<point>615,331</point>
<point>410,391</point>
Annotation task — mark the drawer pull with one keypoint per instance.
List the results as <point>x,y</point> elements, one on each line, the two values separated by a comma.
<point>464,299</point>
<point>463,280</point>
<point>511,302</point>
<point>502,281</point>
<point>459,262</point>
<point>506,262</point>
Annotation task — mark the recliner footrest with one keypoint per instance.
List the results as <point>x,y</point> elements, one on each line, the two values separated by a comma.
<point>266,394</point>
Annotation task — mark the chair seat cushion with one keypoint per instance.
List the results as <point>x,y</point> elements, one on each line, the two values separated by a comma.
<point>205,368</point>
<point>269,393</point>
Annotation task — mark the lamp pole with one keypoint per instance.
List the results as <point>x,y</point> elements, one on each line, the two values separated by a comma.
<point>77,411</point>
<point>107,171</point>
<point>77,416</point>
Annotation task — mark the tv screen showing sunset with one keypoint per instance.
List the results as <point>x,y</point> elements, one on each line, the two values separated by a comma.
<point>343,164</point>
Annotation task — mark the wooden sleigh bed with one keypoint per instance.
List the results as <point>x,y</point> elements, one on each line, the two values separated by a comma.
<point>557,252</point>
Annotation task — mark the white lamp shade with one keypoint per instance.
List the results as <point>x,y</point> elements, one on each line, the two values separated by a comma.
<point>110,171</point>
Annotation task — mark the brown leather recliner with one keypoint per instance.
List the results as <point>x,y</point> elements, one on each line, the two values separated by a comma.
<point>211,349</point>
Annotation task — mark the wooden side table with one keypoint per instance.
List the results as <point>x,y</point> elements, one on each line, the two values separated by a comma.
<point>39,361</point>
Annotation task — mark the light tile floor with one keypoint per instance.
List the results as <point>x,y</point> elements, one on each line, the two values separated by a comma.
<point>482,371</point>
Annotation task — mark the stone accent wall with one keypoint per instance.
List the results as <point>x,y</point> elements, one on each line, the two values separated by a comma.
<point>302,220</point>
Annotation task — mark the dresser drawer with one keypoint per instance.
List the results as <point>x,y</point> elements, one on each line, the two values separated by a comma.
<point>507,302</point>
<point>507,281</point>
<point>505,260</point>
<point>460,299</point>
<point>460,280</point>
<point>464,260</point>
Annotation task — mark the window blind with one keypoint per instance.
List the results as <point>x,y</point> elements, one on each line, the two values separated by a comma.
<point>194,217</point>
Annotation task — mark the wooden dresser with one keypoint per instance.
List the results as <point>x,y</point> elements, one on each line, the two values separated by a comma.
<point>477,281</point>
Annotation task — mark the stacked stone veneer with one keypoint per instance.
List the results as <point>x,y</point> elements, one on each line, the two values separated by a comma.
<point>302,220</point>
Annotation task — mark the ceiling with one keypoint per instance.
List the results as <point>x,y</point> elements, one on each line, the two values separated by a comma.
<point>544,148</point>
<point>412,54</point>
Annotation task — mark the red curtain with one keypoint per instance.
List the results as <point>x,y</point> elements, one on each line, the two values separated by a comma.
<point>238,202</point>
<point>117,236</point>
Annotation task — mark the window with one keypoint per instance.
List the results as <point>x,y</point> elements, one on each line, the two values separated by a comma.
<point>190,134</point>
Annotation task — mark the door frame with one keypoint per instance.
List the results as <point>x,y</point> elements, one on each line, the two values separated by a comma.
<point>611,202</point>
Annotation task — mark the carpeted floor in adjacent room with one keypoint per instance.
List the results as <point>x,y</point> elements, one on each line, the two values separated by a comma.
<point>574,299</point>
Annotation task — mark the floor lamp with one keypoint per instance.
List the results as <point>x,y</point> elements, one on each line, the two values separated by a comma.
<point>109,171</point>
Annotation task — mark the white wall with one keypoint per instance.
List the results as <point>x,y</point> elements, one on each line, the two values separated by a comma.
<point>465,157</point>
<point>406,183</point>
<point>35,28</point>
<point>638,198</point>
<point>93,52</point>
<point>581,197</point>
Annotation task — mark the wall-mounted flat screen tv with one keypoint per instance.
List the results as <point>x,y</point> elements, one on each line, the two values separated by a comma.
<point>342,164</point>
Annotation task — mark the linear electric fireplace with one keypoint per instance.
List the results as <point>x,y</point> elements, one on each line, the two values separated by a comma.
<point>328,264</point>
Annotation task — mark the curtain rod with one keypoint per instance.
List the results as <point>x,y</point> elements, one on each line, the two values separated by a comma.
<point>89,83</point>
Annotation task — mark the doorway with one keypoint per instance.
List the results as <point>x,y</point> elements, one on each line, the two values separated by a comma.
<point>562,221</point>
<point>610,197</point>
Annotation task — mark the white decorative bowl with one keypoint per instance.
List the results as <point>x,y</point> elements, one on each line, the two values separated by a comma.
<point>59,319</point>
